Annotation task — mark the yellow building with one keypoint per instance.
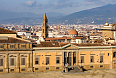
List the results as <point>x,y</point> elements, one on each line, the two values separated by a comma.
<point>15,53</point>
<point>92,56</point>
<point>18,55</point>
<point>109,31</point>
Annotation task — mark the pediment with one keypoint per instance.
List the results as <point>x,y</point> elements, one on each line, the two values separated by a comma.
<point>70,46</point>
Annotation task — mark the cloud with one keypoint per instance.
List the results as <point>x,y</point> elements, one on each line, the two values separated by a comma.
<point>89,3</point>
<point>58,5</point>
<point>97,2</point>
<point>30,3</point>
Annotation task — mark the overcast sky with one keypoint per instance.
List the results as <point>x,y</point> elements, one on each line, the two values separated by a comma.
<point>61,6</point>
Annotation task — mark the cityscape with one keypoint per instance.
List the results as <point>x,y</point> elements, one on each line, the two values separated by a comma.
<point>63,47</point>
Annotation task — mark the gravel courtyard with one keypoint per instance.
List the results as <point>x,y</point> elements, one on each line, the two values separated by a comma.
<point>59,74</point>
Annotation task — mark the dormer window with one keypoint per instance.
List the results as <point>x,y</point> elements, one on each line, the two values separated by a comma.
<point>12,46</point>
<point>23,46</point>
<point>1,46</point>
<point>53,43</point>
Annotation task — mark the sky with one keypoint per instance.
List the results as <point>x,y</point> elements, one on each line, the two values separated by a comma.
<point>60,6</point>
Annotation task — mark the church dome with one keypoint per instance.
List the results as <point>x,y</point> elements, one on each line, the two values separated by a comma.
<point>73,32</point>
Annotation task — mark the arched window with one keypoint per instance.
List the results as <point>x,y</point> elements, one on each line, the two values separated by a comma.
<point>114,55</point>
<point>43,30</point>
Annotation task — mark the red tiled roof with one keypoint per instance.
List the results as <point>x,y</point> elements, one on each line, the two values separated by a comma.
<point>61,38</point>
<point>47,44</point>
<point>63,43</point>
<point>12,40</point>
<point>5,31</point>
<point>78,37</point>
<point>90,44</point>
<point>73,31</point>
<point>33,41</point>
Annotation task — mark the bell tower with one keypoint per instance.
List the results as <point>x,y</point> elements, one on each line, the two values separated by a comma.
<point>45,27</point>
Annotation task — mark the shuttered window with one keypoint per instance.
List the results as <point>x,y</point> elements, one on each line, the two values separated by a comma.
<point>114,55</point>
<point>1,46</point>
<point>12,46</point>
<point>57,60</point>
<point>22,61</point>
<point>11,61</point>
<point>23,46</point>
<point>91,59</point>
<point>1,62</point>
<point>36,59</point>
<point>47,60</point>
<point>82,59</point>
<point>101,59</point>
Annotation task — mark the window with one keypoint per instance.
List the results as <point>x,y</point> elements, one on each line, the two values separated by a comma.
<point>57,67</point>
<point>47,60</point>
<point>74,58</point>
<point>47,68</point>
<point>11,61</point>
<point>22,69</point>
<point>36,68</point>
<point>65,57</point>
<point>11,69</point>
<point>57,60</point>
<point>1,62</point>
<point>1,70</point>
<point>101,65</point>
<point>108,54</point>
<point>36,59</point>
<point>101,59</point>
<point>114,55</point>
<point>1,46</point>
<point>91,59</point>
<point>91,66</point>
<point>22,61</point>
<point>53,43</point>
<point>82,59</point>
<point>23,46</point>
<point>12,46</point>
<point>43,30</point>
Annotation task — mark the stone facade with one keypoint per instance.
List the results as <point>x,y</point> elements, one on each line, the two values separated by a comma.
<point>16,59</point>
<point>45,27</point>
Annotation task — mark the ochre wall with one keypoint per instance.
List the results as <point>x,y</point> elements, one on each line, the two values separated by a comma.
<point>96,64</point>
<point>42,60</point>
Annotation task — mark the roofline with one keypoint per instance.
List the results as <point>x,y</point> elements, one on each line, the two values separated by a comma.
<point>45,48</point>
<point>78,47</point>
<point>96,47</point>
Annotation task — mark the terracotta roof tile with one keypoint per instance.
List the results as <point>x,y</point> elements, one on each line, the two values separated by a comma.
<point>61,38</point>
<point>5,31</point>
<point>63,43</point>
<point>90,44</point>
<point>47,44</point>
<point>73,31</point>
<point>78,37</point>
<point>12,40</point>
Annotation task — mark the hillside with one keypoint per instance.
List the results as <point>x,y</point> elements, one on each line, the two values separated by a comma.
<point>98,15</point>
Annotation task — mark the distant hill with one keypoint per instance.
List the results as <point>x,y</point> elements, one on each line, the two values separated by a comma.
<point>24,17</point>
<point>98,15</point>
